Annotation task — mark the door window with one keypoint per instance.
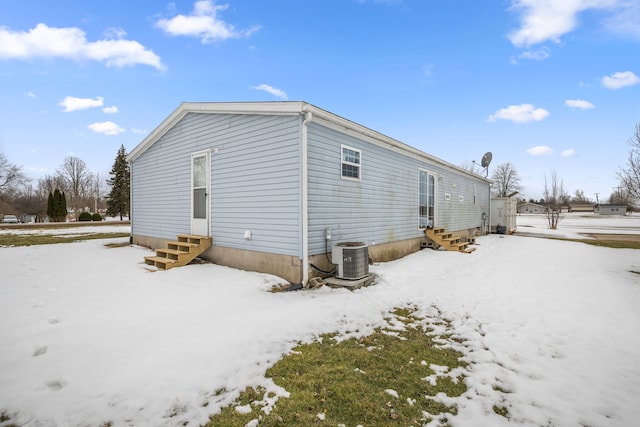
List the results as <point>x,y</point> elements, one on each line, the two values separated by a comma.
<point>427,199</point>
<point>200,187</point>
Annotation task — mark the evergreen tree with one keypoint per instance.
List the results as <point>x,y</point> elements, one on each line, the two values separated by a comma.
<point>63,207</point>
<point>50,207</point>
<point>58,206</point>
<point>119,197</point>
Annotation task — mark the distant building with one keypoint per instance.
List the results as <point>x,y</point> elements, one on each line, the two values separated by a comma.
<point>611,209</point>
<point>531,208</point>
<point>581,207</point>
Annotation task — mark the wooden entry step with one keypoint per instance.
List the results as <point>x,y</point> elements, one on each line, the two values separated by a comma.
<point>442,237</point>
<point>179,252</point>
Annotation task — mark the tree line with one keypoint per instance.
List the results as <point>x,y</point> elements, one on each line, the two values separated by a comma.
<point>506,181</point>
<point>72,189</point>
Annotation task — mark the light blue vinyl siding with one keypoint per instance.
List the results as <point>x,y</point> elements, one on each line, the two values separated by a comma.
<point>457,215</point>
<point>255,181</point>
<point>384,205</point>
<point>256,165</point>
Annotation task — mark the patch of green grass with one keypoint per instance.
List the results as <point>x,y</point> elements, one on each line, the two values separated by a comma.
<point>118,245</point>
<point>616,244</point>
<point>353,381</point>
<point>4,417</point>
<point>501,410</point>
<point>8,240</point>
<point>501,389</point>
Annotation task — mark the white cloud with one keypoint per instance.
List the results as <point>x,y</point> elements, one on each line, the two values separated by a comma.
<point>115,33</point>
<point>110,110</point>
<point>30,94</point>
<point>523,113</point>
<point>548,20</point>
<point>624,19</point>
<point>535,55</point>
<point>568,153</point>
<point>579,103</point>
<point>272,90</point>
<point>540,150</point>
<point>620,79</point>
<point>139,131</point>
<point>107,128</point>
<point>204,23</point>
<point>71,43</point>
<point>71,103</point>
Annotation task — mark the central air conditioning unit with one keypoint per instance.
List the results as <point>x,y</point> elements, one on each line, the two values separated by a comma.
<point>352,259</point>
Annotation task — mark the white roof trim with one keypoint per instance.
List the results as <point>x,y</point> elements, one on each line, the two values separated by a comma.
<point>287,108</point>
<point>210,108</point>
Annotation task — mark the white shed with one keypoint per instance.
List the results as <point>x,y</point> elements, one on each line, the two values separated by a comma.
<point>504,211</point>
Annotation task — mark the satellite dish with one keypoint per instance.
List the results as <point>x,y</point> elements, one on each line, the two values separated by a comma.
<point>486,159</point>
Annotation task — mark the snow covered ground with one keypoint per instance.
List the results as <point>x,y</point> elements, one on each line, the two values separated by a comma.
<point>580,225</point>
<point>88,334</point>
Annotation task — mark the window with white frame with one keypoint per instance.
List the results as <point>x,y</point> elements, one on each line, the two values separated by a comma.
<point>350,163</point>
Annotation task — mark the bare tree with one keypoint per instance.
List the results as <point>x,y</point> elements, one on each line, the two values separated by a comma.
<point>77,181</point>
<point>579,197</point>
<point>32,202</point>
<point>506,180</point>
<point>48,184</point>
<point>98,188</point>
<point>11,176</point>
<point>471,167</point>
<point>630,177</point>
<point>555,197</point>
<point>621,196</point>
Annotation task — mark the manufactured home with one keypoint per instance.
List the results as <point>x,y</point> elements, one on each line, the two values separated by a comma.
<point>275,185</point>
<point>531,208</point>
<point>611,209</point>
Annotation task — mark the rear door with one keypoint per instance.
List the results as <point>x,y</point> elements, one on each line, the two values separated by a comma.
<point>200,193</point>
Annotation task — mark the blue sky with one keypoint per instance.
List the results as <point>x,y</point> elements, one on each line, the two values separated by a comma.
<point>548,85</point>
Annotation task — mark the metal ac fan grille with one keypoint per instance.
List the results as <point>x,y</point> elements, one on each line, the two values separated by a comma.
<point>355,262</point>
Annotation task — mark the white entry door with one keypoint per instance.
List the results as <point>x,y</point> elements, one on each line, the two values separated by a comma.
<point>200,190</point>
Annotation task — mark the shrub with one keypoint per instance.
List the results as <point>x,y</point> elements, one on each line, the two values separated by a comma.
<point>84,216</point>
<point>96,217</point>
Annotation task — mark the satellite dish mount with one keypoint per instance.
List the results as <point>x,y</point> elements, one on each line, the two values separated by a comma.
<point>486,160</point>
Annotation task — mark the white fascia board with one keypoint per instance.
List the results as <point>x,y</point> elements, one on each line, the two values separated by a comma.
<point>346,126</point>
<point>273,107</point>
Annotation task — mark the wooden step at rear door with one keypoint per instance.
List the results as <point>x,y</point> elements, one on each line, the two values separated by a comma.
<point>447,240</point>
<point>179,252</point>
